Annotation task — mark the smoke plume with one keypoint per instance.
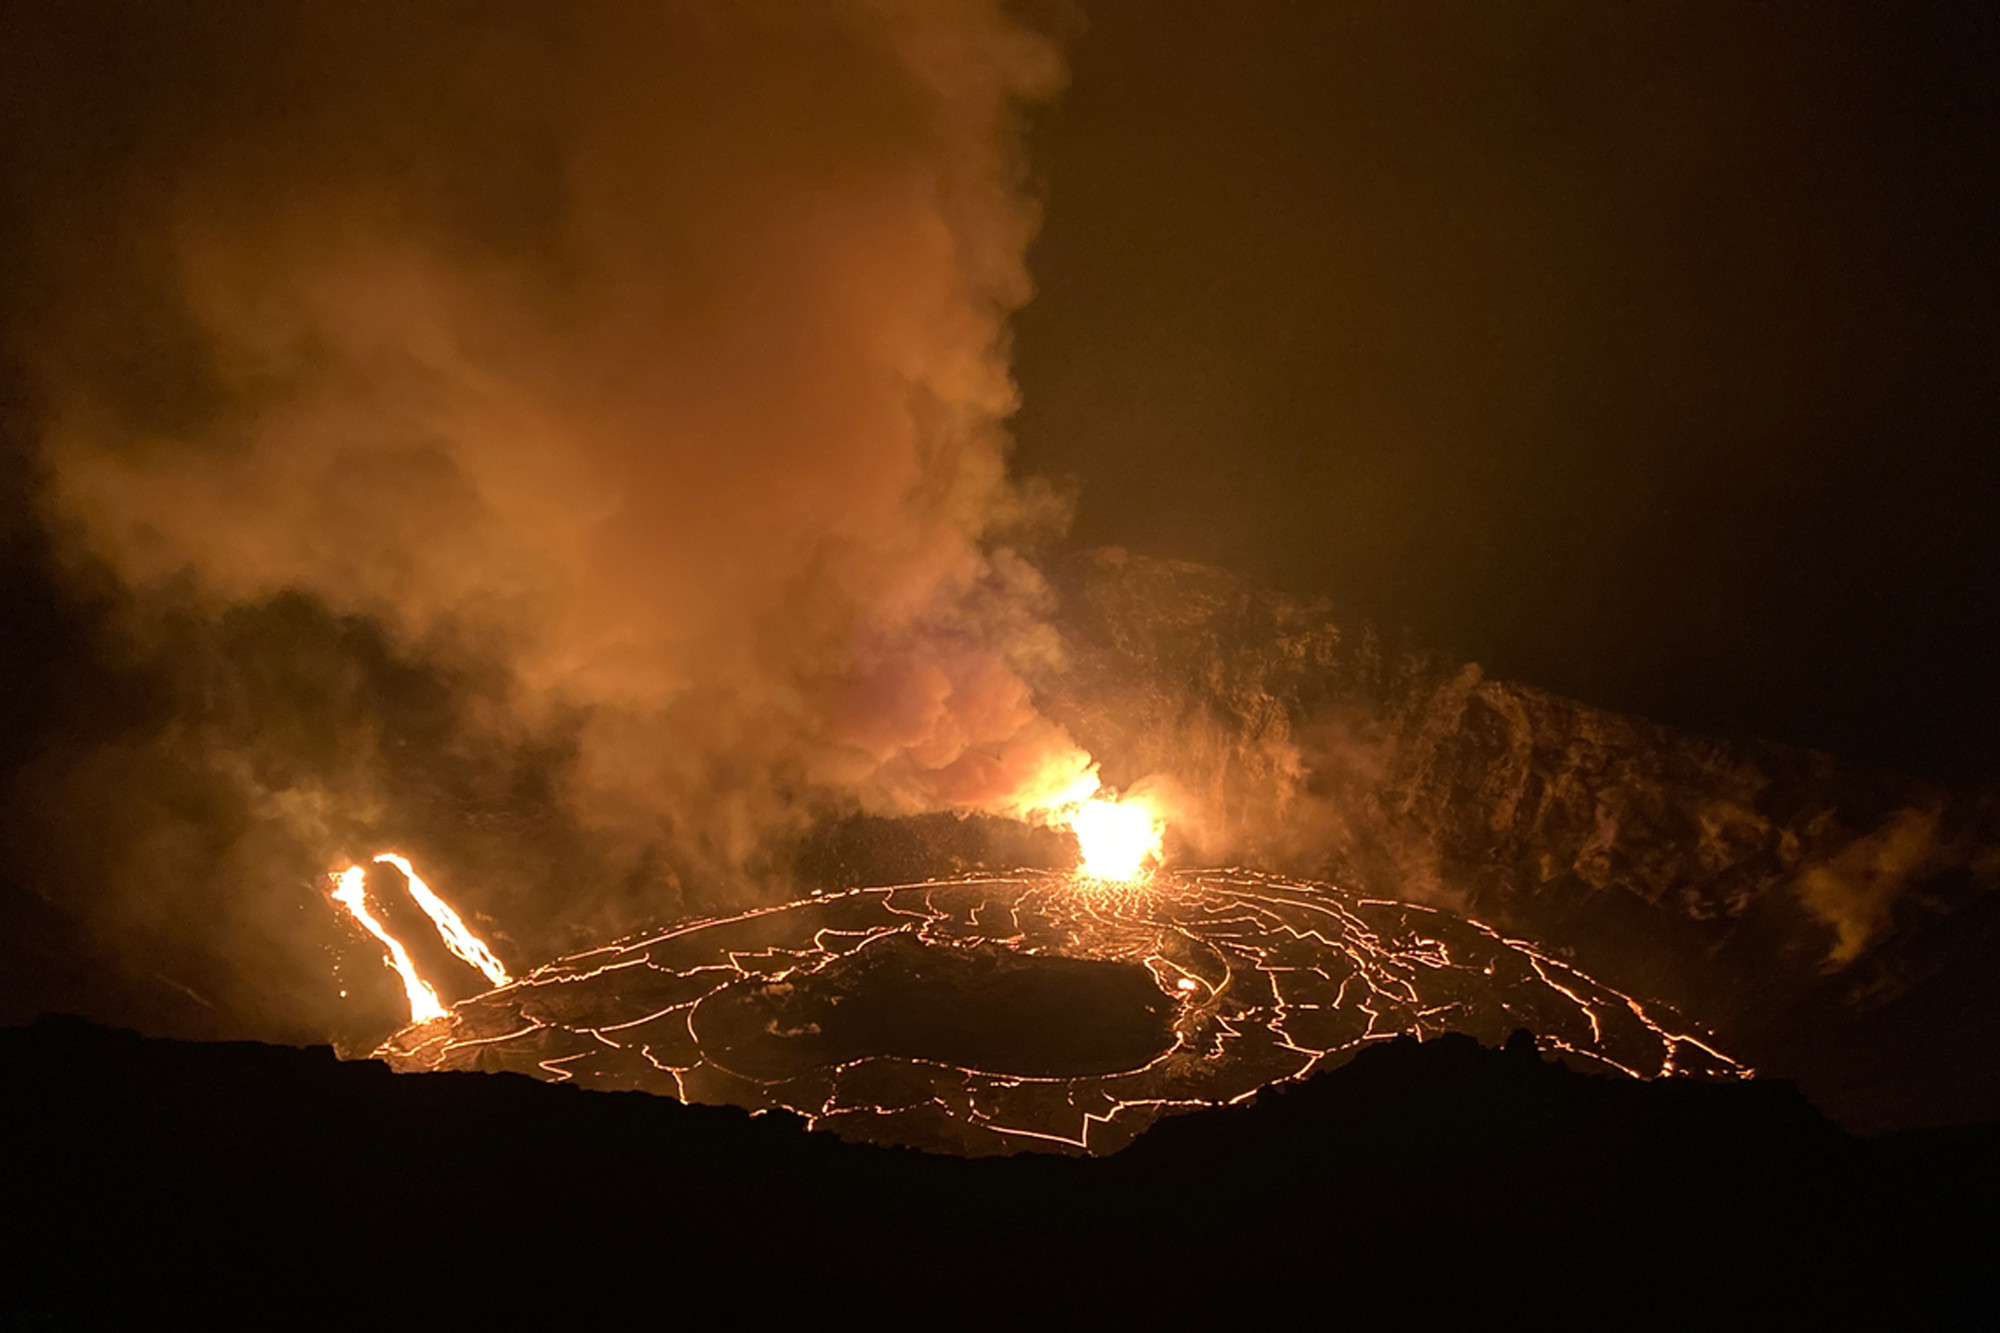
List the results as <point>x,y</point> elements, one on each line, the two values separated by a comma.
<point>601,402</point>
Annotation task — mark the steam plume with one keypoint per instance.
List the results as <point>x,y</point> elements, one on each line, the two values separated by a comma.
<point>642,365</point>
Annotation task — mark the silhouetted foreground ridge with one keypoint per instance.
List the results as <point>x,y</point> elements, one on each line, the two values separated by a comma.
<point>153,1175</point>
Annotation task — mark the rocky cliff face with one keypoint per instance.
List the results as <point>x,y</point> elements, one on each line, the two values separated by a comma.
<point>1835,925</point>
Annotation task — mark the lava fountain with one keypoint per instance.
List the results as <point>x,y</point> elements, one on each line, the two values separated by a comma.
<point>1118,840</point>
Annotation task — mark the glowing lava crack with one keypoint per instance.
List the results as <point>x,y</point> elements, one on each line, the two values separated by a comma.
<point>1034,1011</point>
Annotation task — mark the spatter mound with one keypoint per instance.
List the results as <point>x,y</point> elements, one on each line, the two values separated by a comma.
<point>1034,1011</point>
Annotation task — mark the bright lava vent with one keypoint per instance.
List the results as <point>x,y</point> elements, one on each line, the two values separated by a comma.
<point>1119,840</point>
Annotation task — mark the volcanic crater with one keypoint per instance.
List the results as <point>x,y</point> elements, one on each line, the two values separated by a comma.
<point>1036,1011</point>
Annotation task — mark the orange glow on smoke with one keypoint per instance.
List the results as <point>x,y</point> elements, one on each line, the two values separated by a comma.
<point>424,1003</point>
<point>350,892</point>
<point>1120,840</point>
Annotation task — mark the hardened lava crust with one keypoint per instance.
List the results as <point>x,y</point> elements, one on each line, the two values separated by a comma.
<point>1035,1011</point>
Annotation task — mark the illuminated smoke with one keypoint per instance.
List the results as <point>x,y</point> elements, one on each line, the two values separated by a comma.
<point>645,364</point>
<point>1853,890</point>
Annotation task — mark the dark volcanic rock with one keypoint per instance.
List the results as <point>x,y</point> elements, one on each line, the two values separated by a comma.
<point>1830,924</point>
<point>986,1008</point>
<point>249,1183</point>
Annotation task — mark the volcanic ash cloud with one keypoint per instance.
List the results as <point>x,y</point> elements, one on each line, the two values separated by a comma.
<point>658,352</point>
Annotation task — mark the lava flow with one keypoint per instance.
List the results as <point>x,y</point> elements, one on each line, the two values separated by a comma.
<point>350,892</point>
<point>465,945</point>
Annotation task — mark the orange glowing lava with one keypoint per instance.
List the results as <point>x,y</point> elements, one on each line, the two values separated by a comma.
<point>463,943</point>
<point>1120,840</point>
<point>350,893</point>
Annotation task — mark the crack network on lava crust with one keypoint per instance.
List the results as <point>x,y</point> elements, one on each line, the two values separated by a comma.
<point>882,1014</point>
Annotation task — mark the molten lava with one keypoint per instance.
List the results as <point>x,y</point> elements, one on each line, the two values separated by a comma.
<point>1119,840</point>
<point>465,945</point>
<point>351,893</point>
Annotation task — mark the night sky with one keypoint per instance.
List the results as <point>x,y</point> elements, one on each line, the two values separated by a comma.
<point>1644,352</point>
